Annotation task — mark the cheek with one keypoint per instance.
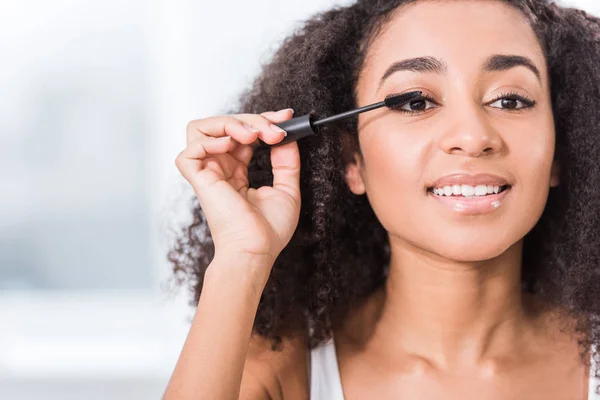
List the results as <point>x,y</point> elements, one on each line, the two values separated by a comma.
<point>531,160</point>
<point>531,152</point>
<point>393,176</point>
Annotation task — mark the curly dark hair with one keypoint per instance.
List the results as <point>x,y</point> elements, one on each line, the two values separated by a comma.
<point>339,253</point>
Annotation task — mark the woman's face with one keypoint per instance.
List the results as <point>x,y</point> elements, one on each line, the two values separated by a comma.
<point>482,66</point>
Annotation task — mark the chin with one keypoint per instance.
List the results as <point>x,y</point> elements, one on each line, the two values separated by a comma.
<point>471,246</point>
<point>482,253</point>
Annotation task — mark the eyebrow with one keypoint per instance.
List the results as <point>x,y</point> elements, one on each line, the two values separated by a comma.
<point>496,62</point>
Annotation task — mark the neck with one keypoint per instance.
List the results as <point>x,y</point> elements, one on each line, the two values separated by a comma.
<point>450,312</point>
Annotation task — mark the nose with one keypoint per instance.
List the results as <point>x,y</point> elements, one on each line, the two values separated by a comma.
<point>470,133</point>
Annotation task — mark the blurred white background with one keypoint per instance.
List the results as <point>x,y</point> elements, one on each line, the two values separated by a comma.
<point>94,100</point>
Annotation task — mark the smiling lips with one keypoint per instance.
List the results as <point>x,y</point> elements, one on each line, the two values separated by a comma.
<point>470,194</point>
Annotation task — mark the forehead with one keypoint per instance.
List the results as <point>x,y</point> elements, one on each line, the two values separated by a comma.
<point>463,33</point>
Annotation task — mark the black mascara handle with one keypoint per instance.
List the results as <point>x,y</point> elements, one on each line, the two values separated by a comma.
<point>296,128</point>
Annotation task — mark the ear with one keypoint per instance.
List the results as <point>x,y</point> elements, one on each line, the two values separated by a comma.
<point>555,174</point>
<point>354,177</point>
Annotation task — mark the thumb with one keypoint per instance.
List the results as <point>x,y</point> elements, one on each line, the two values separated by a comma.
<point>285,160</point>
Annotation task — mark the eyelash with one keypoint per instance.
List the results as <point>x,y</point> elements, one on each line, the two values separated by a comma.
<point>527,103</point>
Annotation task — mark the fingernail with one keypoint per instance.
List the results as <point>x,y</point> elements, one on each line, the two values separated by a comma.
<point>278,129</point>
<point>287,109</point>
<point>250,128</point>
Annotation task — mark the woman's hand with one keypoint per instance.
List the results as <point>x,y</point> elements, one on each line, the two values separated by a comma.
<point>250,222</point>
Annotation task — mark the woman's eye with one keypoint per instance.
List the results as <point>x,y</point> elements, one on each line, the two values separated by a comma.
<point>512,103</point>
<point>416,105</point>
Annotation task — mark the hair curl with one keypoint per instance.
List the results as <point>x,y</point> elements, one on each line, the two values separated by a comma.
<point>340,251</point>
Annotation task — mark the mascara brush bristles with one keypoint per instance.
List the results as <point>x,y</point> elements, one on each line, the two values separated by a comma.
<point>398,99</point>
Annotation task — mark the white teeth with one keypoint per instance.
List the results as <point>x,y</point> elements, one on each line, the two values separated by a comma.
<point>466,190</point>
<point>480,190</point>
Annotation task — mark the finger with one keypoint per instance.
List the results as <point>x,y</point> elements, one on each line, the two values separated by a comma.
<point>279,116</point>
<point>285,160</point>
<point>275,117</point>
<point>243,153</point>
<point>240,152</point>
<point>205,146</point>
<point>189,161</point>
<point>220,126</point>
<point>244,128</point>
<point>268,131</point>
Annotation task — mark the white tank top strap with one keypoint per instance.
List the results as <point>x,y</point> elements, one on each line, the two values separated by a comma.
<point>325,383</point>
<point>594,382</point>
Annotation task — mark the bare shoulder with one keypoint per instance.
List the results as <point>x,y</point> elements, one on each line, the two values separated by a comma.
<point>275,374</point>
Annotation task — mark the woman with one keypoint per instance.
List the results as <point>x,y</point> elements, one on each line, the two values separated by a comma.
<point>446,250</point>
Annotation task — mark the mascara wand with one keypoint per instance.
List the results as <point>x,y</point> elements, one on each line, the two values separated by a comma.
<point>300,127</point>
